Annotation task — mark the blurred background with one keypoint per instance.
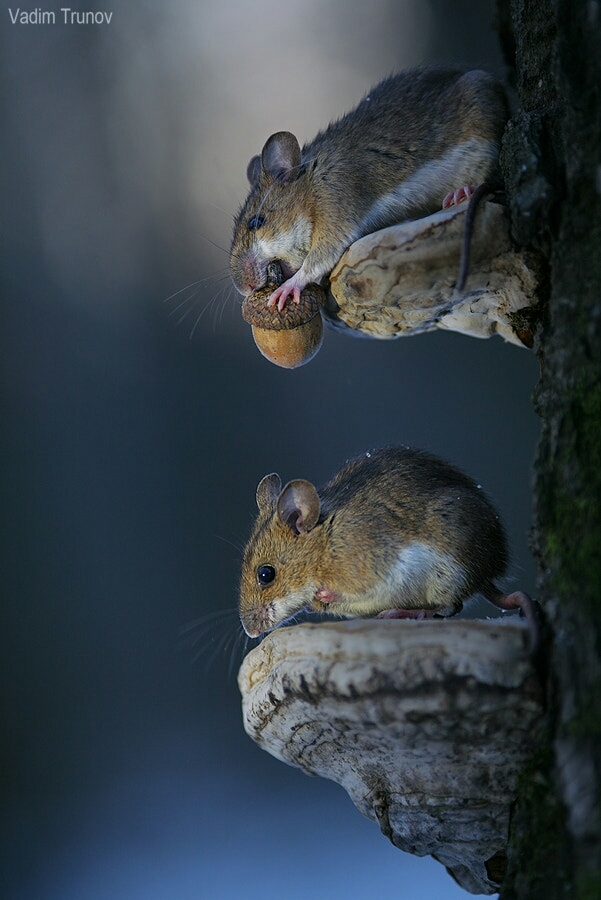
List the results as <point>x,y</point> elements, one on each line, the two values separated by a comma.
<point>138,418</point>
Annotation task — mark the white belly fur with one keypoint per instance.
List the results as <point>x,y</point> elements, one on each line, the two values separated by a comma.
<point>468,163</point>
<point>421,578</point>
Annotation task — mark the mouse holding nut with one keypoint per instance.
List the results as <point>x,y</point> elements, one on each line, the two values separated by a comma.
<point>420,140</point>
<point>397,533</point>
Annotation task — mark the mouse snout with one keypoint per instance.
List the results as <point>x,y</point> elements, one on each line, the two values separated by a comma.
<point>256,621</point>
<point>248,273</point>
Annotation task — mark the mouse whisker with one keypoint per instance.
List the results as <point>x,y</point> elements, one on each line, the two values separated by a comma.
<point>190,302</point>
<point>217,303</point>
<point>213,243</point>
<point>202,623</point>
<point>238,546</point>
<point>197,284</point>
<point>212,637</point>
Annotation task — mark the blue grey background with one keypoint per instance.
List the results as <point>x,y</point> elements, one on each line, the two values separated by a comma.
<point>131,446</point>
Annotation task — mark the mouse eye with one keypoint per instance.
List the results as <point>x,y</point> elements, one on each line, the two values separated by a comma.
<point>265,574</point>
<point>256,222</point>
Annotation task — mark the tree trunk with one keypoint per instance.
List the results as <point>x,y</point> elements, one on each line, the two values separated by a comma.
<point>552,163</point>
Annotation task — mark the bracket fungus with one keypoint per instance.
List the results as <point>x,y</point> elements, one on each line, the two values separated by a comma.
<point>401,281</point>
<point>426,724</point>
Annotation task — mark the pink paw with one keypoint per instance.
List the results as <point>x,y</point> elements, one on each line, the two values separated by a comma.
<point>455,197</point>
<point>288,289</point>
<point>325,595</point>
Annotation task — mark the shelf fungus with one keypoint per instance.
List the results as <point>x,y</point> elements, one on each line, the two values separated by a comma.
<point>401,281</point>
<point>426,724</point>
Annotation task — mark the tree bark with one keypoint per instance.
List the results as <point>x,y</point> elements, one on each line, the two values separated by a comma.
<point>552,166</point>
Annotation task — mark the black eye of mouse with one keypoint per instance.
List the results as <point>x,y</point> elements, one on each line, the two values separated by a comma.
<point>265,574</point>
<point>256,222</point>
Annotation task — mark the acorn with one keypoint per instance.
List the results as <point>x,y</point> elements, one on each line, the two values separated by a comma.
<point>289,338</point>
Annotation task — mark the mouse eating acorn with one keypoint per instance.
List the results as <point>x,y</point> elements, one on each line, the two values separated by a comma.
<point>420,139</point>
<point>290,338</point>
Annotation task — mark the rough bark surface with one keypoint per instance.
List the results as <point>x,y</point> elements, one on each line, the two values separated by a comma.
<point>551,159</point>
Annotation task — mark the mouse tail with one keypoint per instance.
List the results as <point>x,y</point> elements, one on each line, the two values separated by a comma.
<point>483,190</point>
<point>521,601</point>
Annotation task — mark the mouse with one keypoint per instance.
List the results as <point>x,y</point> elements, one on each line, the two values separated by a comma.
<point>396,533</point>
<point>419,141</point>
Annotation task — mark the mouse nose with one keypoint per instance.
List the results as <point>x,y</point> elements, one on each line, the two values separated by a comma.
<point>250,274</point>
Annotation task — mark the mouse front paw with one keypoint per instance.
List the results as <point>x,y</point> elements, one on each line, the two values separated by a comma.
<point>290,288</point>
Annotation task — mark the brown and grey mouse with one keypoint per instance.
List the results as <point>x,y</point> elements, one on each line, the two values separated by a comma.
<point>396,533</point>
<point>418,139</point>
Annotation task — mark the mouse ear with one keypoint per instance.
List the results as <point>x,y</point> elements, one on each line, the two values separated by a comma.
<point>281,155</point>
<point>253,170</point>
<point>268,491</point>
<point>299,506</point>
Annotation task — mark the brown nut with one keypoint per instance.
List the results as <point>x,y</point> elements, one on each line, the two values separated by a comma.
<point>256,312</point>
<point>291,337</point>
<point>290,347</point>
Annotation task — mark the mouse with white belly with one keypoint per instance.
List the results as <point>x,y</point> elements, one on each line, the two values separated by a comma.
<point>420,140</point>
<point>397,533</point>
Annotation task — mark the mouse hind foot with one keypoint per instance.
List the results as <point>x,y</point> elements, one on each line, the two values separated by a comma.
<point>453,198</point>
